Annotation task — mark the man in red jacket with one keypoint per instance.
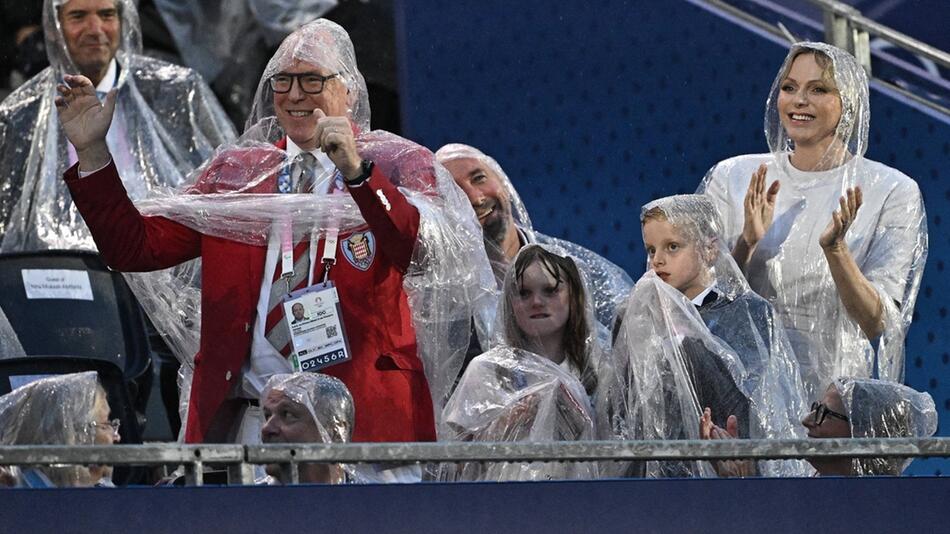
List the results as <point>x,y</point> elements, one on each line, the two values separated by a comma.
<point>313,89</point>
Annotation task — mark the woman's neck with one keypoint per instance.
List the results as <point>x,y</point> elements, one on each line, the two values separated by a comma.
<point>820,156</point>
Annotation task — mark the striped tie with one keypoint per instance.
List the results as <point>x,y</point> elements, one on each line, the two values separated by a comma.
<point>304,171</point>
<point>275,327</point>
<point>302,174</point>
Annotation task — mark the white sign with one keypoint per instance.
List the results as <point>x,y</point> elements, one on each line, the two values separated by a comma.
<point>56,284</point>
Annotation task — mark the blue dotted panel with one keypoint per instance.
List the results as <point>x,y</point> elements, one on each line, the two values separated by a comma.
<point>595,108</point>
<point>920,147</point>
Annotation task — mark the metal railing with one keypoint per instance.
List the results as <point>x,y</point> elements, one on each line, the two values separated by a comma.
<point>845,27</point>
<point>240,459</point>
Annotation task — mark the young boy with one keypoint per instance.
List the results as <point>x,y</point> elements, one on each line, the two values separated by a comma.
<point>680,235</point>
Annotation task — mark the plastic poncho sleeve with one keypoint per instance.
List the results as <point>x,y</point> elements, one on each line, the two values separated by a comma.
<point>894,265</point>
<point>896,236</point>
<point>716,189</point>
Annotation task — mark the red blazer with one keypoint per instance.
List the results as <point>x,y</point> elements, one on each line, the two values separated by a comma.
<point>385,375</point>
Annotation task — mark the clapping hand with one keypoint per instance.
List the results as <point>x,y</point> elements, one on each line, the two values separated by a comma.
<point>709,430</point>
<point>759,207</point>
<point>833,236</point>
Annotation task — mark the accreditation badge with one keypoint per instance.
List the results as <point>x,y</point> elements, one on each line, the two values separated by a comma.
<point>317,337</point>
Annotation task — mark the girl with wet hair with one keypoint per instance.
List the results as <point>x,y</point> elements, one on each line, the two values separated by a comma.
<point>562,277</point>
<point>535,384</point>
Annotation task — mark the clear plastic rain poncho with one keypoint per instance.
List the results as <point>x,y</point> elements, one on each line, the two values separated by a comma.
<point>10,346</point>
<point>449,280</point>
<point>516,391</point>
<point>58,410</point>
<point>326,398</point>
<point>883,409</point>
<point>212,34</point>
<point>167,122</point>
<point>672,358</point>
<point>608,283</point>
<point>888,239</point>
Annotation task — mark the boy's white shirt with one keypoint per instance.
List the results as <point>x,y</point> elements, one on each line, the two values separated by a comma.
<point>698,299</point>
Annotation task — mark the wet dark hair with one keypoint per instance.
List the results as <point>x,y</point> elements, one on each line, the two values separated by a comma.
<point>576,330</point>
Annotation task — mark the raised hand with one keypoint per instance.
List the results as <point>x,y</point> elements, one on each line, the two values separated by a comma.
<point>849,204</point>
<point>337,141</point>
<point>759,207</point>
<point>84,119</point>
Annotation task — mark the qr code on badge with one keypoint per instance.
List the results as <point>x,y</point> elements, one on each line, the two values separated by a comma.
<point>331,331</point>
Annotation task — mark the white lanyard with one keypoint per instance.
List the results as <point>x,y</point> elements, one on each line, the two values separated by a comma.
<point>287,251</point>
<point>329,252</point>
<point>286,229</point>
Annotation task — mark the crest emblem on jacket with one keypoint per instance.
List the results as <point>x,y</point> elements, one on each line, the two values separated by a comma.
<point>359,249</point>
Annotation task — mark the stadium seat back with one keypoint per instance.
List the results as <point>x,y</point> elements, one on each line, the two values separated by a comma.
<point>68,302</point>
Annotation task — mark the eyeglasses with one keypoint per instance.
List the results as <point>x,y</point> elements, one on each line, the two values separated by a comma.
<point>309,82</point>
<point>113,424</point>
<point>822,411</point>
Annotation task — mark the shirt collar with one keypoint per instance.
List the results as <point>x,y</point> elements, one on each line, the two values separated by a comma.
<point>523,238</point>
<point>698,299</point>
<point>322,159</point>
<point>108,81</point>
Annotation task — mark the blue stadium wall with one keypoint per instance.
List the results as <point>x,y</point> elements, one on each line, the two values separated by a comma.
<point>875,505</point>
<point>594,108</point>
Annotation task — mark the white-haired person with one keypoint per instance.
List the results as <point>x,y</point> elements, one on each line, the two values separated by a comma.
<point>67,409</point>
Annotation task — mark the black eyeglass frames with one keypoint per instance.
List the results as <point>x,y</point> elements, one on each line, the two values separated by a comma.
<point>309,82</point>
<point>822,411</point>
